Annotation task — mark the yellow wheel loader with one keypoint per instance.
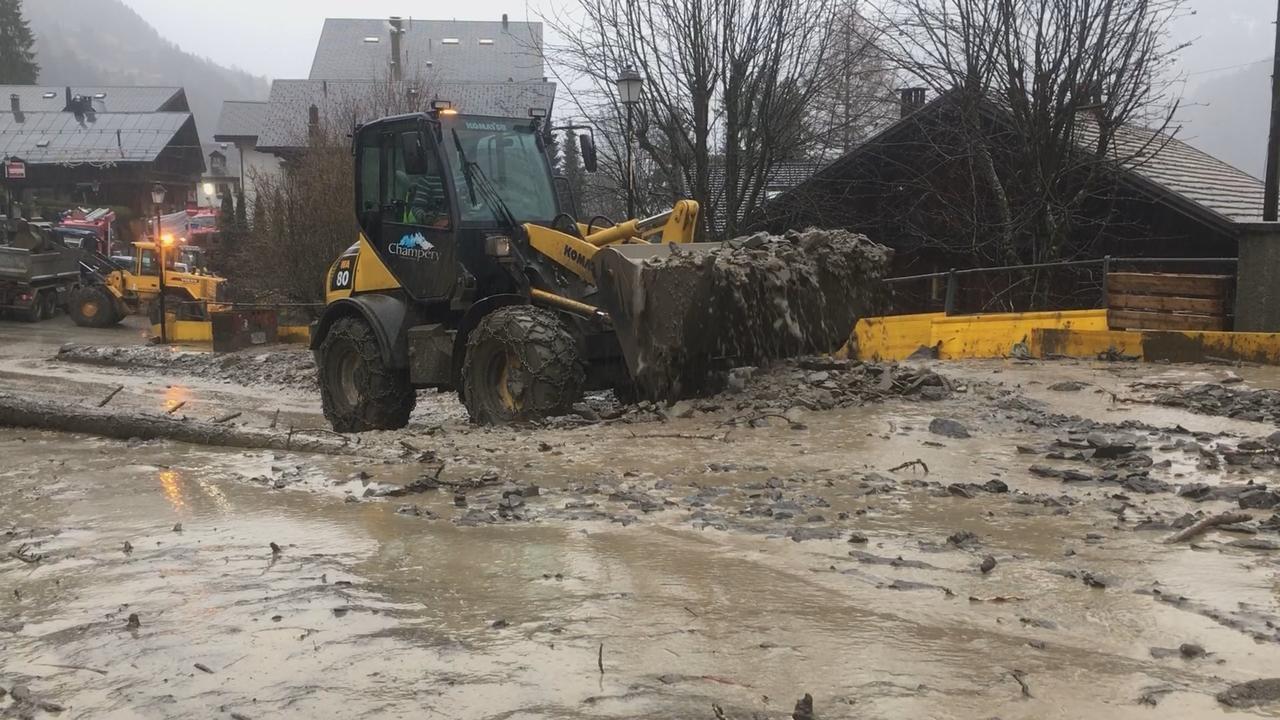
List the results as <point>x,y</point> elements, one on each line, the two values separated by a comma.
<point>126,285</point>
<point>469,274</point>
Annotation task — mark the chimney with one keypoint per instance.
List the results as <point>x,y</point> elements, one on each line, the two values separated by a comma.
<point>397,70</point>
<point>504,21</point>
<point>313,121</point>
<point>910,100</point>
<point>15,104</point>
<point>68,106</point>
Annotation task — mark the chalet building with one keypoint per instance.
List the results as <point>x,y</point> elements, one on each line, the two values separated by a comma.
<point>908,185</point>
<point>101,147</point>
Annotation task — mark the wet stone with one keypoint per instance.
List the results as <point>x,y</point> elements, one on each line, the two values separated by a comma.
<point>1068,386</point>
<point>947,427</point>
<point>1108,448</point>
<point>1191,651</point>
<point>1260,499</point>
<point>1145,484</point>
<point>988,564</point>
<point>802,534</point>
<point>1095,580</point>
<point>1251,694</point>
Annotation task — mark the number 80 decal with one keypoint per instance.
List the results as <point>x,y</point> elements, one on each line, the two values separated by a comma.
<point>343,275</point>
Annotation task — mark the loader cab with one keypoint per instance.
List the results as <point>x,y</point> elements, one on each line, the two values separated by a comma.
<point>426,223</point>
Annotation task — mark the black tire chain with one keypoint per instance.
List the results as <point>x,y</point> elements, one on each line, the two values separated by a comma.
<point>394,397</point>
<point>525,331</point>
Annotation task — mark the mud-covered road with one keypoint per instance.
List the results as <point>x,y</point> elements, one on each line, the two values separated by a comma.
<point>737,553</point>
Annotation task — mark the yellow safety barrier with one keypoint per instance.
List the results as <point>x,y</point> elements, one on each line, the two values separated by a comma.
<point>1065,334</point>
<point>294,334</point>
<point>964,336</point>
<point>185,331</point>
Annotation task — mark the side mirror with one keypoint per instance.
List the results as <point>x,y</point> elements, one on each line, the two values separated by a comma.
<point>588,153</point>
<point>415,153</point>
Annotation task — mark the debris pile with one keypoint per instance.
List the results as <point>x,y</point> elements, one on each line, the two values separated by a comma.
<point>1216,399</point>
<point>753,299</point>
<point>825,383</point>
<point>293,367</point>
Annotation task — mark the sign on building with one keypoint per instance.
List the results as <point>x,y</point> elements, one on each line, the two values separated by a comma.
<point>15,170</point>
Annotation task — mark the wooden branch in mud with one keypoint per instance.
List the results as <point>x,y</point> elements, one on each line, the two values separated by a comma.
<point>1228,518</point>
<point>110,395</point>
<point>17,411</point>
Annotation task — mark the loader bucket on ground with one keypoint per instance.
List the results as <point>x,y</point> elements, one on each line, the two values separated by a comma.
<point>683,311</point>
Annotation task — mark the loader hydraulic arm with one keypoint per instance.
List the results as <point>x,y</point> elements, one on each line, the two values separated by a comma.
<point>676,225</point>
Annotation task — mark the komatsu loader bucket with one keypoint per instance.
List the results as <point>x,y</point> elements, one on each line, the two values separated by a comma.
<point>683,311</point>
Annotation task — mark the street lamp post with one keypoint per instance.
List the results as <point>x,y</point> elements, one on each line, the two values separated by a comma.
<point>157,199</point>
<point>630,83</point>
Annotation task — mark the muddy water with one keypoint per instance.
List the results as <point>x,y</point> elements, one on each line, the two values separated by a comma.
<point>384,614</point>
<point>367,612</point>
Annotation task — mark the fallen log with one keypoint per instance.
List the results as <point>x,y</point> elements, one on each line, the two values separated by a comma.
<point>17,411</point>
<point>1228,518</point>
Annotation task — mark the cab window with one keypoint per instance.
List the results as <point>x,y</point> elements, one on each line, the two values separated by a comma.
<point>147,264</point>
<point>415,198</point>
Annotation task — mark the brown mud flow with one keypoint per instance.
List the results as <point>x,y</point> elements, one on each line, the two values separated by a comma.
<point>734,552</point>
<point>683,311</point>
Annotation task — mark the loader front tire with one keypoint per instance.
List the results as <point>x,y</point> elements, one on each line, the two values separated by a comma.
<point>93,307</point>
<point>358,389</point>
<point>521,364</point>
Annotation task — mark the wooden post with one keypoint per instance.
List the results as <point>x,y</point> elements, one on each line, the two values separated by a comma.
<point>950,307</point>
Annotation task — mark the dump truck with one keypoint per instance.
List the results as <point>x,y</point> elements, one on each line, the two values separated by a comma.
<point>471,274</point>
<point>36,281</point>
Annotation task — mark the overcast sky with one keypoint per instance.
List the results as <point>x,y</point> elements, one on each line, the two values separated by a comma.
<point>277,38</point>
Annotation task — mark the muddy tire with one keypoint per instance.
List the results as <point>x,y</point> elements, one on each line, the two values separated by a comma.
<point>49,304</point>
<point>93,307</point>
<point>358,390</point>
<point>521,364</point>
<point>32,313</point>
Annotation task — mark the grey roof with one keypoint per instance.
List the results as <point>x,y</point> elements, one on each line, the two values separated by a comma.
<point>338,102</point>
<point>229,151</point>
<point>240,119</point>
<point>1192,175</point>
<point>779,178</point>
<point>56,138</point>
<point>116,99</point>
<point>511,51</point>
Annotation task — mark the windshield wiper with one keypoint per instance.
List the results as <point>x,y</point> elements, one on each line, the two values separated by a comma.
<point>476,179</point>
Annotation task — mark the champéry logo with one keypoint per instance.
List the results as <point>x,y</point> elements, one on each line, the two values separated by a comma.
<point>415,247</point>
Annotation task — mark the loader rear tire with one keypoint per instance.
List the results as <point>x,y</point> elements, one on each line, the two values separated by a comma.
<point>358,389</point>
<point>521,364</point>
<point>93,307</point>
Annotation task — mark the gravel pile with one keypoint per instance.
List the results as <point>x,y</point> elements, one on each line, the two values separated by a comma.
<point>290,367</point>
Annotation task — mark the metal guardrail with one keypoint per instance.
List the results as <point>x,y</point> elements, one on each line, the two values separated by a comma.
<point>1106,262</point>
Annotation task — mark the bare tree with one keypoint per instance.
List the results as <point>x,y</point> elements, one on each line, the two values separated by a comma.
<point>1049,97</point>
<point>859,97</point>
<point>731,82</point>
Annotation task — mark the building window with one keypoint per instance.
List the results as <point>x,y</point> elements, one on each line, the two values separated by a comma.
<point>449,41</point>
